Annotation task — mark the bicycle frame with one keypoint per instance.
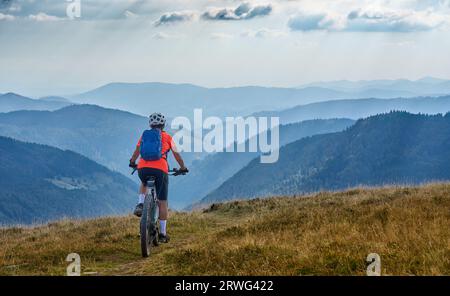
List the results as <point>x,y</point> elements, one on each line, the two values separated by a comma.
<point>150,214</point>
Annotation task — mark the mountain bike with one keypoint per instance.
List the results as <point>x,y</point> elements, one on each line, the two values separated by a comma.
<point>149,225</point>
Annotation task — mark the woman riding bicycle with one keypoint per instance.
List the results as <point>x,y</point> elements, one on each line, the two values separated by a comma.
<point>158,169</point>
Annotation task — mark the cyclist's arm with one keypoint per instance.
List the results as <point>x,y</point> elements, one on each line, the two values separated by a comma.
<point>177,155</point>
<point>179,160</point>
<point>135,155</point>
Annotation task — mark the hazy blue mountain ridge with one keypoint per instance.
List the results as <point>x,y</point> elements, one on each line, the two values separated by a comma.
<point>361,108</point>
<point>181,99</point>
<point>13,102</point>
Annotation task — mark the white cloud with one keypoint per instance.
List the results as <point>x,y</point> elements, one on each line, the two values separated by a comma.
<point>221,36</point>
<point>15,8</point>
<point>130,15</point>
<point>393,21</point>
<point>367,15</point>
<point>373,19</point>
<point>314,21</point>
<point>164,36</point>
<point>175,17</point>
<point>264,33</point>
<point>244,11</point>
<point>6,17</point>
<point>160,36</point>
<point>43,17</point>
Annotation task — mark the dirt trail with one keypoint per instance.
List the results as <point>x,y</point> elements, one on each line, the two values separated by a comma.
<point>155,264</point>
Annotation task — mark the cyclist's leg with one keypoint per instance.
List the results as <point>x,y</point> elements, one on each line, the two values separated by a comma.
<point>162,186</point>
<point>142,191</point>
<point>163,210</point>
<point>143,187</point>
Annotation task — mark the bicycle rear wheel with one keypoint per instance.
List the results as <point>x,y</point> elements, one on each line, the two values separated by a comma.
<point>145,227</point>
<point>149,224</point>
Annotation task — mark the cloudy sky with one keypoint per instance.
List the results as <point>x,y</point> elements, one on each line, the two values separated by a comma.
<point>219,42</point>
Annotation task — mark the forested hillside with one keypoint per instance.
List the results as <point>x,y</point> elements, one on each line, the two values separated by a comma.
<point>394,148</point>
<point>40,183</point>
<point>209,173</point>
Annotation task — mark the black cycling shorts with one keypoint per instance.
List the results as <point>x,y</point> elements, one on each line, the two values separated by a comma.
<point>161,181</point>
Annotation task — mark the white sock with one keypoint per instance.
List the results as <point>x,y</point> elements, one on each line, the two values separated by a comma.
<point>162,224</point>
<point>141,198</point>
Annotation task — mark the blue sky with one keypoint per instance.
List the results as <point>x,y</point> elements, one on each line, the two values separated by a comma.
<point>219,42</point>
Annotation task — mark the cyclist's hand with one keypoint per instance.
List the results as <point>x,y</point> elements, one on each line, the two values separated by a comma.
<point>132,164</point>
<point>180,171</point>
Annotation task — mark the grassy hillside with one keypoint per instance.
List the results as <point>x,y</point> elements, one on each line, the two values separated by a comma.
<point>323,234</point>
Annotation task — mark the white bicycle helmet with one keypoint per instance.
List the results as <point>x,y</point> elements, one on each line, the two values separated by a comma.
<point>157,119</point>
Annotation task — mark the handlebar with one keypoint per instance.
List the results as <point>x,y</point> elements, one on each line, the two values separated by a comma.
<point>178,172</point>
<point>134,167</point>
<point>172,172</point>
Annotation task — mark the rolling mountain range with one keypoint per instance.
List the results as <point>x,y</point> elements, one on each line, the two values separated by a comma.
<point>108,136</point>
<point>361,108</point>
<point>13,102</point>
<point>207,174</point>
<point>394,148</point>
<point>40,183</point>
<point>181,99</point>
<point>404,88</point>
<point>54,99</point>
<point>105,135</point>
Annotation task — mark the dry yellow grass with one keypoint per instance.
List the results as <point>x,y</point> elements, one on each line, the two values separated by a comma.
<point>322,234</point>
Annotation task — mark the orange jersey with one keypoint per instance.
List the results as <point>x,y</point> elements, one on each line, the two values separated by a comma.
<point>161,164</point>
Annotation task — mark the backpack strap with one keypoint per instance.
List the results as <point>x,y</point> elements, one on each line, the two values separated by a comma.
<point>164,155</point>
